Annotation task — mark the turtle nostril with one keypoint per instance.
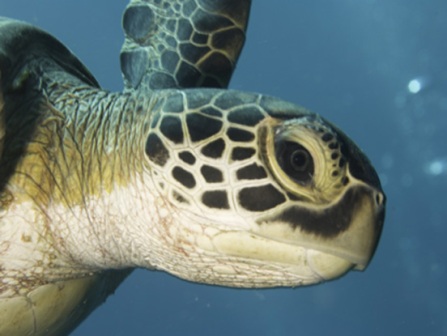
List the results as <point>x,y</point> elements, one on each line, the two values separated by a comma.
<point>380,199</point>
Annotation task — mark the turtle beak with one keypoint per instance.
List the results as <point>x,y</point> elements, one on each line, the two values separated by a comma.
<point>376,228</point>
<point>355,224</point>
<point>359,241</point>
<point>372,212</point>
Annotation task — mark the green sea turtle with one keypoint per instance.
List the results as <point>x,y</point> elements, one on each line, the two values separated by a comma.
<point>176,173</point>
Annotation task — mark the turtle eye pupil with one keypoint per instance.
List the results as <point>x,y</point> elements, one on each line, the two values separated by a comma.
<point>295,161</point>
<point>299,160</point>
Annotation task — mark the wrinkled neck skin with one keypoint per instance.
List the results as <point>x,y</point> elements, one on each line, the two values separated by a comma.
<point>80,198</point>
<point>105,199</point>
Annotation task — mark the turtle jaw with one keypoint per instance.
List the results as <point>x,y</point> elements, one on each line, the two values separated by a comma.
<point>352,236</point>
<point>278,250</point>
<point>243,259</point>
<point>305,257</point>
<point>293,264</point>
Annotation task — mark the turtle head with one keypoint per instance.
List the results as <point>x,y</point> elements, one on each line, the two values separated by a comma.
<point>270,194</point>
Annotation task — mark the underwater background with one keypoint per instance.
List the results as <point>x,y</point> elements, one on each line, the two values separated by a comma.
<point>378,69</point>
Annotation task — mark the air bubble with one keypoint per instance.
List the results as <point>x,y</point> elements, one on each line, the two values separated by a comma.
<point>436,167</point>
<point>416,85</point>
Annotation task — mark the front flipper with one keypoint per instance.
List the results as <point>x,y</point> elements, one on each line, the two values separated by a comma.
<point>182,43</point>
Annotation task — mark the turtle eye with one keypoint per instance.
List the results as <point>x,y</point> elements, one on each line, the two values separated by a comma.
<point>295,161</point>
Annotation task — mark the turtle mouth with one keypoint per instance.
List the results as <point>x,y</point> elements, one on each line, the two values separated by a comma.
<point>304,256</point>
<point>349,227</point>
<point>303,263</point>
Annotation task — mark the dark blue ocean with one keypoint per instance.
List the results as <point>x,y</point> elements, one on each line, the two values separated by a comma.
<point>378,69</point>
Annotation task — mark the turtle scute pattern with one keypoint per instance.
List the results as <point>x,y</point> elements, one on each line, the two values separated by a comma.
<point>193,145</point>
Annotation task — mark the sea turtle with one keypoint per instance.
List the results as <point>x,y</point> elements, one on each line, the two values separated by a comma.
<point>176,173</point>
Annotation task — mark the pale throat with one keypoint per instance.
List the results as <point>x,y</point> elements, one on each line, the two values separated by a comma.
<point>116,229</point>
<point>102,213</point>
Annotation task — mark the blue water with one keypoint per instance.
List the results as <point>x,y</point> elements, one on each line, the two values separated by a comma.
<point>351,61</point>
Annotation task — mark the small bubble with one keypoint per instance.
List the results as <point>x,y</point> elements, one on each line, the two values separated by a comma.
<point>414,86</point>
<point>418,84</point>
<point>436,167</point>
